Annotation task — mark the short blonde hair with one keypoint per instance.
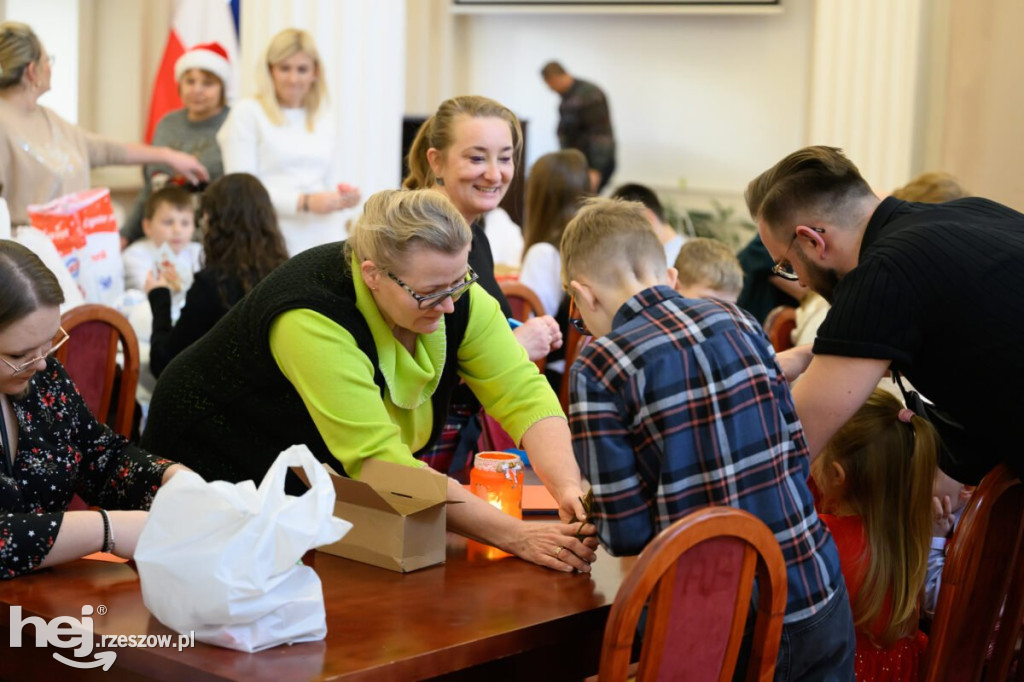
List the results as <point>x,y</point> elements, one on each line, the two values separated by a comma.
<point>395,223</point>
<point>289,42</point>
<point>19,47</point>
<point>438,132</point>
<point>609,237</point>
<point>709,263</point>
<point>931,188</point>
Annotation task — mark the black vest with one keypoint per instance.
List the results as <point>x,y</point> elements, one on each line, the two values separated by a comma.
<point>223,408</point>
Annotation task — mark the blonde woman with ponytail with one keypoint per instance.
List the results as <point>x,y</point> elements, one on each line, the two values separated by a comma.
<point>875,477</point>
<point>468,152</point>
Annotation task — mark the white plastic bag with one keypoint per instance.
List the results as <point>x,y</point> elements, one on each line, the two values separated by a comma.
<point>223,559</point>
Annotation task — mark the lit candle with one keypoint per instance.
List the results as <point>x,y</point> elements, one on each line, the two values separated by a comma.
<point>497,478</point>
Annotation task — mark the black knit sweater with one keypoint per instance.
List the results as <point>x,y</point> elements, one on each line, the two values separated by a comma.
<point>223,407</point>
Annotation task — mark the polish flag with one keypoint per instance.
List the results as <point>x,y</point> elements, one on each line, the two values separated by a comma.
<point>194,21</point>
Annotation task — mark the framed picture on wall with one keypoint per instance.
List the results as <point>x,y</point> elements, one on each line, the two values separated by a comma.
<point>618,6</point>
<point>624,4</point>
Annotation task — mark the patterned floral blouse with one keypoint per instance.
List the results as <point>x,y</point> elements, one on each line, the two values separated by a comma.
<point>63,450</point>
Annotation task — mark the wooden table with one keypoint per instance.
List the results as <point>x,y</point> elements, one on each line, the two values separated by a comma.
<point>467,619</point>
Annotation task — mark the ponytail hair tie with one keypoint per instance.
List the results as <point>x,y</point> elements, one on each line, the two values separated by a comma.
<point>904,415</point>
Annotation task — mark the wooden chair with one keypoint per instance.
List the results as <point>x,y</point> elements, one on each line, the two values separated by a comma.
<point>982,586</point>
<point>779,325</point>
<point>90,357</point>
<point>525,304</point>
<point>573,345</point>
<point>524,301</point>
<point>698,574</point>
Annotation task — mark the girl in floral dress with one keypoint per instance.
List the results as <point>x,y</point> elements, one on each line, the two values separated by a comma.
<point>51,446</point>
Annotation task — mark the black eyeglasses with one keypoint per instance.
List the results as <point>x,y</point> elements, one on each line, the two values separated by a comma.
<point>576,320</point>
<point>434,300</point>
<point>784,268</point>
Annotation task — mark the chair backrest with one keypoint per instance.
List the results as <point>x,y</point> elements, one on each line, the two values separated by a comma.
<point>524,301</point>
<point>779,325</point>
<point>699,574</point>
<point>573,345</point>
<point>982,579</point>
<point>525,304</point>
<point>90,357</point>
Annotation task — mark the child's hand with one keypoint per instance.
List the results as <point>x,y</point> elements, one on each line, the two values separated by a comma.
<point>169,274</point>
<point>943,511</point>
<point>156,282</point>
<point>794,361</point>
<point>539,336</point>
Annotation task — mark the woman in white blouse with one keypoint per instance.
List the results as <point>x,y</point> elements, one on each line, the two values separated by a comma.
<point>286,137</point>
<point>557,183</point>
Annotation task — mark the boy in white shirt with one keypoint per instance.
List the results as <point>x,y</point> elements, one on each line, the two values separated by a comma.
<point>167,251</point>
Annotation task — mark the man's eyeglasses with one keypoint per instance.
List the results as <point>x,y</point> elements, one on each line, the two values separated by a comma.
<point>59,341</point>
<point>784,268</point>
<point>434,300</point>
<point>576,320</point>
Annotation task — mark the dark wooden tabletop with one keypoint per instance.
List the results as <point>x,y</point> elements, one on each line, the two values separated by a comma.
<point>470,618</point>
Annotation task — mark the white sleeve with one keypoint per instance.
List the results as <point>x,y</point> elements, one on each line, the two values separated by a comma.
<point>933,575</point>
<point>542,272</point>
<point>336,167</point>
<point>138,261</point>
<point>39,244</point>
<point>506,238</point>
<point>238,139</point>
<point>244,133</point>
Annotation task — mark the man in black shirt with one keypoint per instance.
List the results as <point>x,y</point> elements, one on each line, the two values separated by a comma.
<point>935,291</point>
<point>584,122</point>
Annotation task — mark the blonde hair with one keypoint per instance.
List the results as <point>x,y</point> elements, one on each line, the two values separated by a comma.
<point>438,132</point>
<point>558,182</point>
<point>19,47</point>
<point>289,42</point>
<point>890,467</point>
<point>931,188</point>
<point>609,237</point>
<point>395,223</point>
<point>709,263</point>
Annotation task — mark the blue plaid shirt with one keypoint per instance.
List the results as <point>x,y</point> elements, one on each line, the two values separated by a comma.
<point>682,406</point>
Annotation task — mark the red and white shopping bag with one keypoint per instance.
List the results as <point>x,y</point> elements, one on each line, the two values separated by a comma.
<point>83,228</point>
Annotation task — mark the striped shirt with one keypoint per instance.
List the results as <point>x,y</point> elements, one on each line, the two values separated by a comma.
<point>683,406</point>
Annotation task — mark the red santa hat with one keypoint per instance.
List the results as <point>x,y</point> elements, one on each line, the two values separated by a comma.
<point>210,57</point>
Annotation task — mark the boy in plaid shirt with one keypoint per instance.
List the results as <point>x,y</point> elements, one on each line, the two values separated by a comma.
<point>679,404</point>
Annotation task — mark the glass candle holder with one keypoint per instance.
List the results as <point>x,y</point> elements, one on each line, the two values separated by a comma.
<point>497,478</point>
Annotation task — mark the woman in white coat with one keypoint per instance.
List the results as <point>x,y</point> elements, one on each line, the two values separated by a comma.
<point>286,137</point>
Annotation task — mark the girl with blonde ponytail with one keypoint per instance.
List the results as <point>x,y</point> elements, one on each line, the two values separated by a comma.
<point>875,478</point>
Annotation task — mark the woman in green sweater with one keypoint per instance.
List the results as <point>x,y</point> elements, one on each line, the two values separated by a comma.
<point>354,349</point>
